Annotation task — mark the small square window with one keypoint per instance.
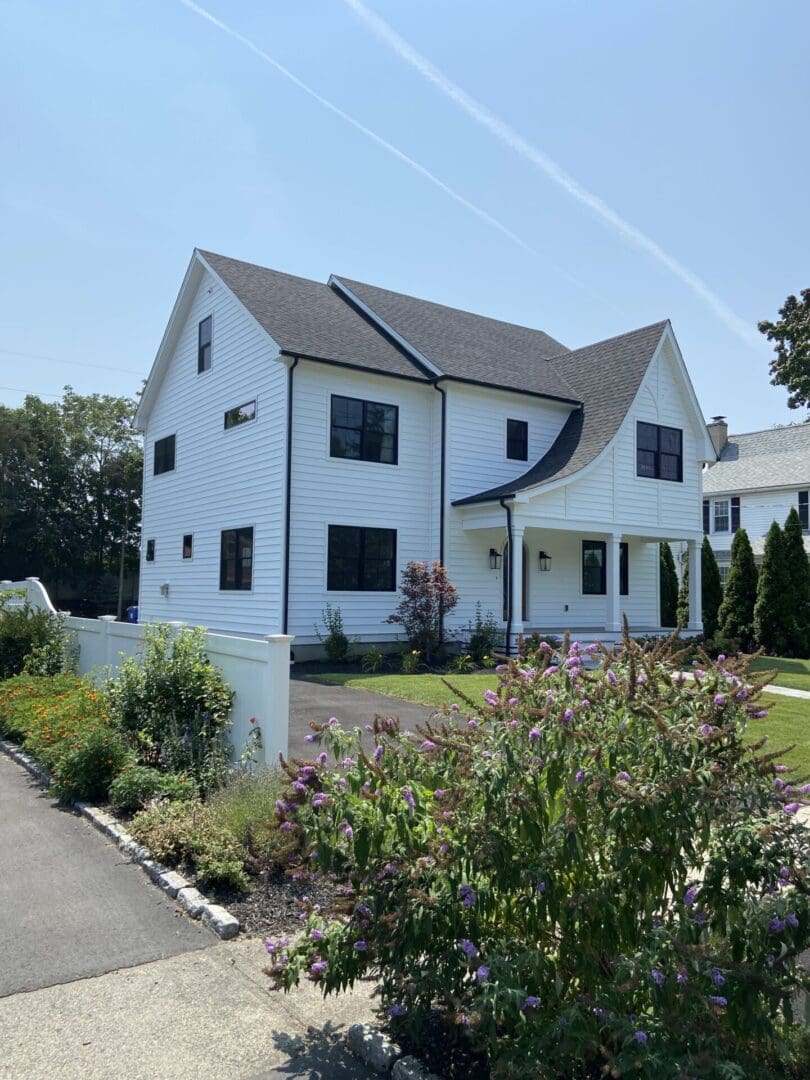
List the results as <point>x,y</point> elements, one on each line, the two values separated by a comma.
<point>659,452</point>
<point>164,455</point>
<point>517,440</point>
<point>241,414</point>
<point>188,545</point>
<point>204,332</point>
<point>150,550</point>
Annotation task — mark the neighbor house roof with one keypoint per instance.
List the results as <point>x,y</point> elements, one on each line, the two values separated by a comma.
<point>606,377</point>
<point>779,457</point>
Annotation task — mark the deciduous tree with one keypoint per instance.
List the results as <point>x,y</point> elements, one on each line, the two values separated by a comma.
<point>791,334</point>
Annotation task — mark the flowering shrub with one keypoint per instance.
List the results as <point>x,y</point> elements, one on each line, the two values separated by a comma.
<point>589,873</point>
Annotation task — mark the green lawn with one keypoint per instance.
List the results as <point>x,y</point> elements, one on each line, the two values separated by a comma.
<point>792,673</point>
<point>788,722</point>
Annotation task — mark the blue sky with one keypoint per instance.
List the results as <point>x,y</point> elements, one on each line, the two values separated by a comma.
<point>133,131</point>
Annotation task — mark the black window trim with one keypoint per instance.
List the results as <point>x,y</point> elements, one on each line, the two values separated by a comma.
<point>210,344</point>
<point>159,442</point>
<point>524,440</point>
<point>658,452</point>
<point>804,504</point>
<point>624,567</point>
<point>363,530</point>
<point>190,556</point>
<point>150,550</point>
<point>235,409</point>
<point>238,529</point>
<point>364,402</point>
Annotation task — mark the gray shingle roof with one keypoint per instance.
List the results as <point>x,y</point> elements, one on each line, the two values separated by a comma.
<point>308,318</point>
<point>606,377</point>
<point>468,346</point>
<point>779,457</point>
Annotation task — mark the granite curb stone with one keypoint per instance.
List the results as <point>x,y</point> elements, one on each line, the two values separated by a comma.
<point>216,918</point>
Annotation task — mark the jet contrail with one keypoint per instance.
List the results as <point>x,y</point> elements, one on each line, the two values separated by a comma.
<point>380,141</point>
<point>482,115</point>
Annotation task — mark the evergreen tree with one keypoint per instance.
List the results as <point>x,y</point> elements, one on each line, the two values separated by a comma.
<point>736,614</point>
<point>682,612</point>
<point>798,569</point>
<point>711,588</point>
<point>773,611</point>
<point>669,586</point>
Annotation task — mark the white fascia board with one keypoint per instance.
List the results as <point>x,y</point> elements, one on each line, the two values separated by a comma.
<point>796,486</point>
<point>249,314</point>
<point>710,454</point>
<point>472,523</point>
<point>336,284</point>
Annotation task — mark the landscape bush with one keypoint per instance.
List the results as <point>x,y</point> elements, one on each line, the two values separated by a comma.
<point>591,873</point>
<point>31,640</point>
<point>427,596</point>
<point>484,635</point>
<point>335,642</point>
<point>174,705</point>
<point>247,807</point>
<point>138,785</point>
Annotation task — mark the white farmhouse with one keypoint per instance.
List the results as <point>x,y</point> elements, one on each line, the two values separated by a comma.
<point>758,477</point>
<point>304,441</point>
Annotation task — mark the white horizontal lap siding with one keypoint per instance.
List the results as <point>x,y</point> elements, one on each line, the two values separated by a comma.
<point>758,511</point>
<point>336,491</point>
<point>222,479</point>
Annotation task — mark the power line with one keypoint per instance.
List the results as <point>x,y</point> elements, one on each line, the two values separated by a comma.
<point>32,393</point>
<point>80,363</point>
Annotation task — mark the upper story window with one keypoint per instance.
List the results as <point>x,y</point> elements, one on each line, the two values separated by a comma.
<point>722,520</point>
<point>236,559</point>
<point>164,455</point>
<point>594,568</point>
<point>150,550</point>
<point>803,515</point>
<point>721,515</point>
<point>517,440</point>
<point>363,430</point>
<point>204,331</point>
<point>241,414</point>
<point>188,545</point>
<point>659,452</point>
<point>361,560</point>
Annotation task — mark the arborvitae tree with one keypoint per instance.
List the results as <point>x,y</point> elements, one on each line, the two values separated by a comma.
<point>798,569</point>
<point>682,612</point>
<point>711,588</point>
<point>736,614</point>
<point>669,586</point>
<point>773,611</point>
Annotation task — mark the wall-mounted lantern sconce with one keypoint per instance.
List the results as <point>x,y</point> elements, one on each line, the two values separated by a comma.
<point>545,561</point>
<point>494,559</point>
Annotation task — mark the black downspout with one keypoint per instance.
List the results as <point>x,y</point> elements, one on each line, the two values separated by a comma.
<point>508,510</point>
<point>442,492</point>
<point>287,501</point>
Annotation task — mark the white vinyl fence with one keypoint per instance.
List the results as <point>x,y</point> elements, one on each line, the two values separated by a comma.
<point>256,669</point>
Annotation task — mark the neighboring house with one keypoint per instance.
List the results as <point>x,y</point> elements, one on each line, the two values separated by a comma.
<point>304,441</point>
<point>757,478</point>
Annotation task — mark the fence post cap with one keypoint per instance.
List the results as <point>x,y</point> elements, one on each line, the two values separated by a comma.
<point>279,638</point>
<point>32,579</point>
<point>106,618</point>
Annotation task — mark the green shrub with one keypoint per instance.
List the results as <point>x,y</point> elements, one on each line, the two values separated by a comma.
<point>31,640</point>
<point>593,873</point>
<point>798,568</point>
<point>247,807</point>
<point>336,644</point>
<point>668,586</point>
<point>774,619</point>
<point>462,664</point>
<point>86,766</point>
<point>411,661</point>
<point>372,661</point>
<point>187,834</point>
<point>711,588</point>
<point>140,784</point>
<point>175,706</point>
<point>736,614</point>
<point>484,635</point>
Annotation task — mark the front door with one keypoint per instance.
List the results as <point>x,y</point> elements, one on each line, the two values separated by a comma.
<point>505,581</point>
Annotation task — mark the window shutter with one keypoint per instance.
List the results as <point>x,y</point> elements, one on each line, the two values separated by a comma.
<point>706,516</point>
<point>735,513</point>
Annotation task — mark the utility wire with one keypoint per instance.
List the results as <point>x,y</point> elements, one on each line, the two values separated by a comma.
<point>80,363</point>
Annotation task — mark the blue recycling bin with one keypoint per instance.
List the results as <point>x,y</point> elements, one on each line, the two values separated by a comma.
<point>132,613</point>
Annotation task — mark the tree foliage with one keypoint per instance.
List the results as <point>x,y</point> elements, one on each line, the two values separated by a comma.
<point>683,598</point>
<point>669,586</point>
<point>773,611</point>
<point>427,596</point>
<point>70,483</point>
<point>791,334</point>
<point>798,569</point>
<point>711,588</point>
<point>736,615</point>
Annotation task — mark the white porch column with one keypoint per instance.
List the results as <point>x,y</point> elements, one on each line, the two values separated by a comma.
<point>695,586</point>
<point>613,615</point>
<point>516,565</point>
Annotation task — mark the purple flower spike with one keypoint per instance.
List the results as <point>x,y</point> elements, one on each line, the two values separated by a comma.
<point>657,977</point>
<point>466,895</point>
<point>784,873</point>
<point>791,920</point>
<point>791,808</point>
<point>491,698</point>
<point>682,978</point>
<point>318,967</point>
<point>690,895</point>
<point>482,974</point>
<point>439,793</point>
<point>718,978</point>
<point>541,887</point>
<point>776,925</point>
<point>719,1002</point>
<point>719,699</point>
<point>397,1010</point>
<point>531,1002</point>
<point>361,946</point>
<point>568,716</point>
<point>625,776</point>
<point>640,1037</point>
<point>427,746</point>
<point>534,734</point>
<point>611,678</point>
<point>310,738</point>
<point>468,948</point>
<point>407,795</point>
<point>580,776</point>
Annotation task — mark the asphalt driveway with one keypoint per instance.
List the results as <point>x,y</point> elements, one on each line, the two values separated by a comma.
<point>71,906</point>
<point>317,701</point>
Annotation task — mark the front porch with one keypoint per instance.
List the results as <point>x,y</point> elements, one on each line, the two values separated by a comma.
<point>579,577</point>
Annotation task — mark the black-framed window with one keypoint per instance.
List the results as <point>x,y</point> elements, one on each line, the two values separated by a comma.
<point>164,455</point>
<point>236,559</point>
<point>706,516</point>
<point>594,568</point>
<point>659,452</point>
<point>361,559</point>
<point>803,510</point>
<point>150,550</point>
<point>240,414</point>
<point>363,430</point>
<point>735,513</point>
<point>517,440</point>
<point>204,334</point>
<point>188,545</point>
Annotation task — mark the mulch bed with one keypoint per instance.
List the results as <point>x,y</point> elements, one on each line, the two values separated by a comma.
<point>273,904</point>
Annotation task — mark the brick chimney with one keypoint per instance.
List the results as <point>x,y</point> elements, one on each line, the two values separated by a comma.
<point>718,431</point>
